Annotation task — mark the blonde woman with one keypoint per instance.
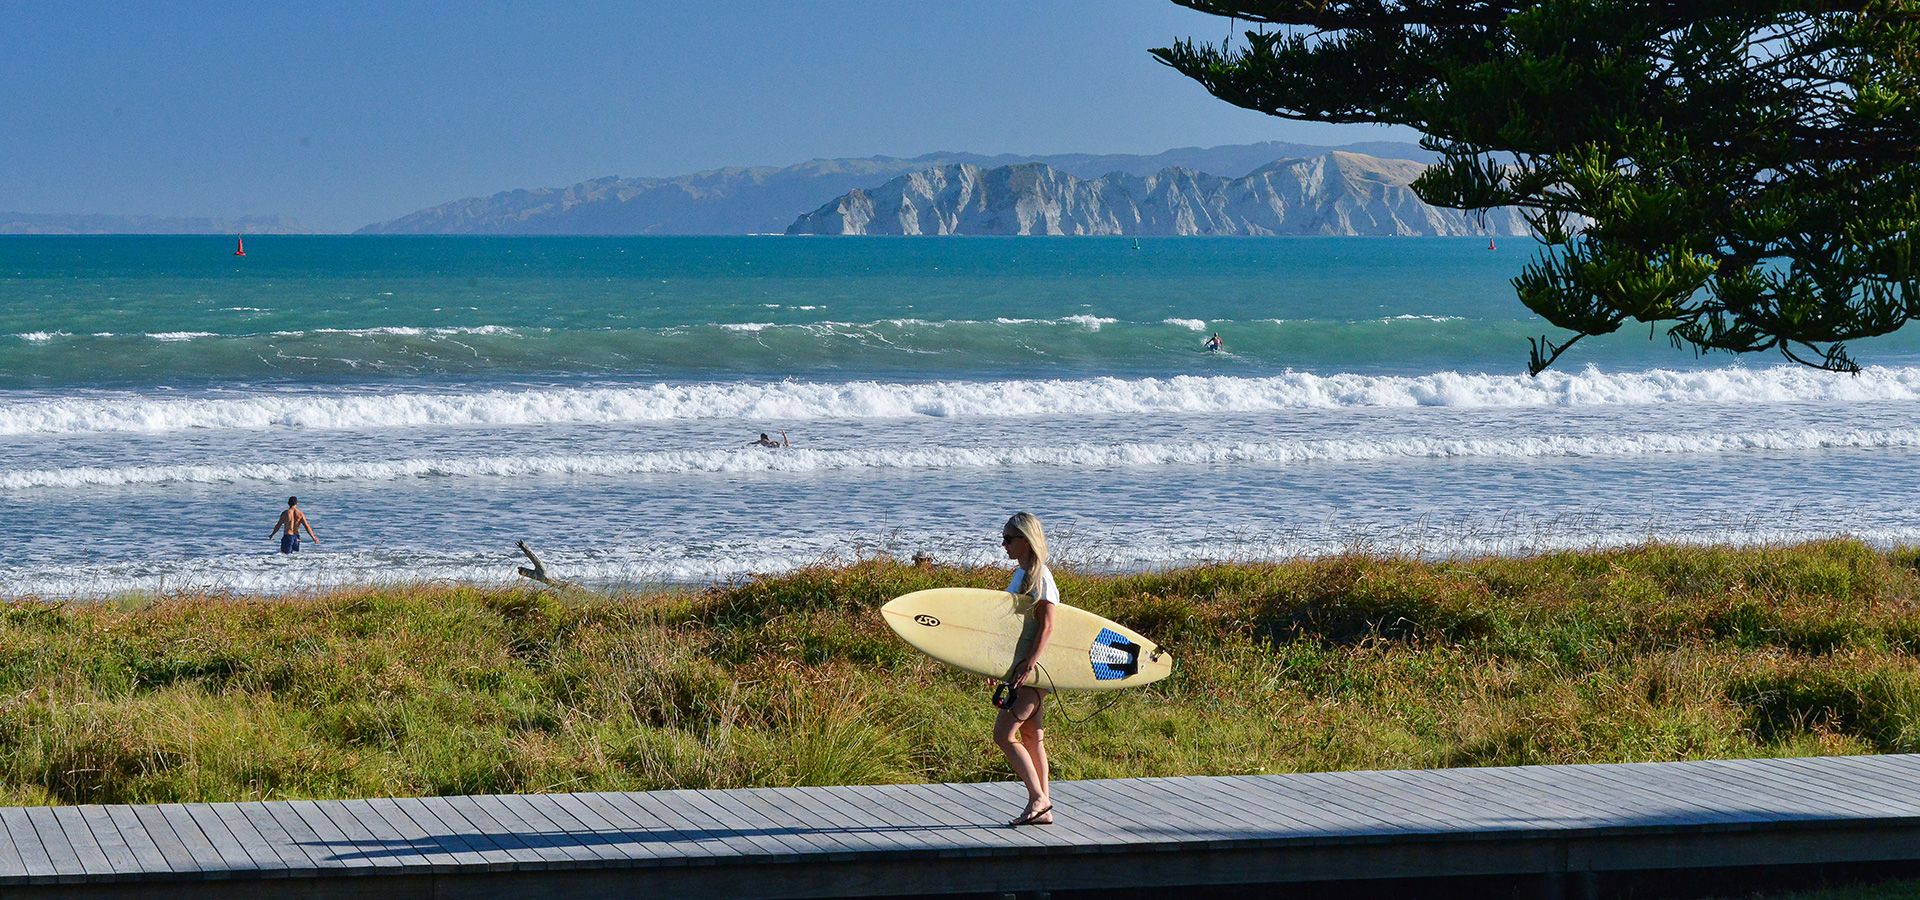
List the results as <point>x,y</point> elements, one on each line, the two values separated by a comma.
<point>1019,729</point>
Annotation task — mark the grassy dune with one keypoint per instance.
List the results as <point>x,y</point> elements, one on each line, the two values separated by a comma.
<point>1648,653</point>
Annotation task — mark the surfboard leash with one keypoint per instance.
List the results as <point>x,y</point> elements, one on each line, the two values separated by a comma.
<point>1065,714</point>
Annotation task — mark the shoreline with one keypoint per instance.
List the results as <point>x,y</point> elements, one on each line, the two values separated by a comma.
<point>1369,547</point>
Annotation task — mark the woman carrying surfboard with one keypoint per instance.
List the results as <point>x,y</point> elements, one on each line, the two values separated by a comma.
<point>1019,729</point>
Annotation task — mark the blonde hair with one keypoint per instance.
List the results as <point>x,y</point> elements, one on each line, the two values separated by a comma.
<point>1027,525</point>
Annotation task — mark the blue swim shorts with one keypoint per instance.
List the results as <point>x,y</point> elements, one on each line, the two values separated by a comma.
<point>289,543</point>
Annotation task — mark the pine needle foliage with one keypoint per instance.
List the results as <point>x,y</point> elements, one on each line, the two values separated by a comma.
<point>1746,174</point>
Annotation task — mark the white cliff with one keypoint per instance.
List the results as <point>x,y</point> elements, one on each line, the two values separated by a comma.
<point>1335,193</point>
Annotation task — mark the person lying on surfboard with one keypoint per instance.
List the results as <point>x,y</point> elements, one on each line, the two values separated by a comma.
<point>1019,729</point>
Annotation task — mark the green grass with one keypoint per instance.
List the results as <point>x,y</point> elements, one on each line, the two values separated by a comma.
<point>1649,653</point>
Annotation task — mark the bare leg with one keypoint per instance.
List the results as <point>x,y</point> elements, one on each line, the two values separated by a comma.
<point>1033,735</point>
<point>1024,752</point>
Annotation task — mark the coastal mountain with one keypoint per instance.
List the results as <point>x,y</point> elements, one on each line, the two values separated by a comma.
<point>1336,193</point>
<point>763,199</point>
<point>83,223</point>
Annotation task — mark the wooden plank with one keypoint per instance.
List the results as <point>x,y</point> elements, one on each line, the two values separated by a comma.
<point>1880,784</point>
<point>266,852</point>
<point>1802,797</point>
<point>983,815</point>
<point>1271,813</point>
<point>1648,803</point>
<point>1287,794</point>
<point>660,836</point>
<point>1256,816</point>
<point>1274,795</point>
<point>13,867</point>
<point>516,846</point>
<point>1889,796</point>
<point>299,834</point>
<point>680,842</point>
<point>359,840</point>
<point>884,806</point>
<point>560,830</point>
<point>1849,786</point>
<point>120,856</point>
<point>955,831</point>
<point>994,799</point>
<point>1896,775</point>
<point>853,820</point>
<point>618,842</point>
<point>68,861</point>
<point>770,813</point>
<point>1354,818</point>
<point>224,843</point>
<point>744,841</point>
<point>1466,805</point>
<point>1393,800</point>
<point>490,854</point>
<point>174,818</point>
<point>33,853</point>
<point>95,856</point>
<point>699,839</point>
<point>335,844</point>
<point>1674,784</point>
<point>643,834</point>
<point>1583,802</point>
<point>1527,801</point>
<point>146,852</point>
<point>536,833</point>
<point>1152,810</point>
<point>386,820</point>
<point>254,813</point>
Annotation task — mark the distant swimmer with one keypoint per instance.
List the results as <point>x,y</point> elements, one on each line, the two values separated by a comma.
<point>1213,343</point>
<point>291,521</point>
<point>765,441</point>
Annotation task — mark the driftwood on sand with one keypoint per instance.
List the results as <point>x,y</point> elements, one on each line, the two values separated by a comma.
<point>539,570</point>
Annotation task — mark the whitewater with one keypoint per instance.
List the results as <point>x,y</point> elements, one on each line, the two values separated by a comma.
<point>393,407</point>
<point>433,401</point>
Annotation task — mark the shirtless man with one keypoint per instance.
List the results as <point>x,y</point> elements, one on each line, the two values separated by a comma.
<point>291,521</point>
<point>765,441</point>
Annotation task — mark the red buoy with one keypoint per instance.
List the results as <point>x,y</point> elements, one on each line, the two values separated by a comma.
<point>239,246</point>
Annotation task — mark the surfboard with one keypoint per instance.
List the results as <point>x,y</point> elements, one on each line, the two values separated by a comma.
<point>987,632</point>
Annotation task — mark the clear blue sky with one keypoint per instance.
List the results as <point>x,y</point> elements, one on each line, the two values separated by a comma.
<point>343,114</point>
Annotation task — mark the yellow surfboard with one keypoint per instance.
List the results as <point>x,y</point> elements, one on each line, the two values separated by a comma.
<point>987,632</point>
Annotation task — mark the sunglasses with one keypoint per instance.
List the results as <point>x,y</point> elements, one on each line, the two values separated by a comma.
<point>1006,539</point>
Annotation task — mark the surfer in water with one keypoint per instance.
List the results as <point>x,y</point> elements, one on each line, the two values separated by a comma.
<point>291,521</point>
<point>765,441</point>
<point>1213,343</point>
<point>1019,729</point>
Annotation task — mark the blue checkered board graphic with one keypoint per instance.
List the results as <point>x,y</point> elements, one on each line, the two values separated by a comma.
<point>1113,656</point>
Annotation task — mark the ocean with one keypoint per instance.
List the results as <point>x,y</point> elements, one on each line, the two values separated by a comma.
<point>433,400</point>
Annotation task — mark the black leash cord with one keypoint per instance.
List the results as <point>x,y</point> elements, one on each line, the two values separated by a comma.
<point>1089,716</point>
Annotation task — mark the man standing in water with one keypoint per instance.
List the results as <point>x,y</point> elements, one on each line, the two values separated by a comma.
<point>291,521</point>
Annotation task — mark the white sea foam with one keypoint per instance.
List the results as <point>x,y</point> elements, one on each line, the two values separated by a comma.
<point>1079,456</point>
<point>40,337</point>
<point>171,336</point>
<point>800,401</point>
<point>1189,324</point>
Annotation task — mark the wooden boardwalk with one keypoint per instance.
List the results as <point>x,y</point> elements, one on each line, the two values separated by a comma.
<point>1559,822</point>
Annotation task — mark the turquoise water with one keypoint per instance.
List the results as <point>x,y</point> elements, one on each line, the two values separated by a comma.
<point>184,312</point>
<point>433,399</point>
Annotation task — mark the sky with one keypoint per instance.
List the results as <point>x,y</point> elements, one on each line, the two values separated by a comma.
<point>343,114</point>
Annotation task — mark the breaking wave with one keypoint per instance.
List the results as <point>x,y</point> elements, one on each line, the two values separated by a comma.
<point>143,412</point>
<point>938,458</point>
